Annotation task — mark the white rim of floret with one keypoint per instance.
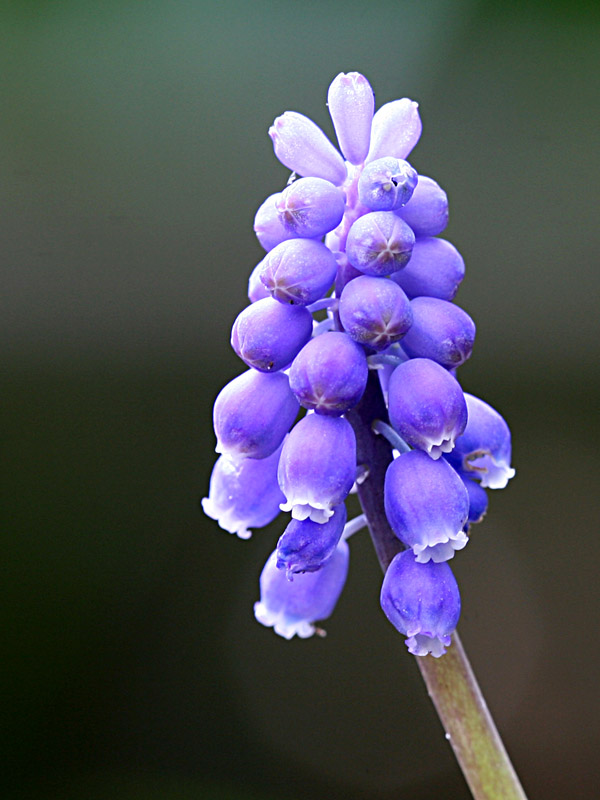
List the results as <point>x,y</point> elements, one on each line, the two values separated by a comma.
<point>440,551</point>
<point>422,644</point>
<point>492,473</point>
<point>235,455</point>
<point>282,624</point>
<point>227,519</point>
<point>436,446</point>
<point>302,508</point>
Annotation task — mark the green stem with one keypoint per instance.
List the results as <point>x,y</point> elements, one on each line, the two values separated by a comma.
<point>450,681</point>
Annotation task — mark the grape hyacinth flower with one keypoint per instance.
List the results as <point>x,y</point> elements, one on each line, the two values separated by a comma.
<point>310,207</point>
<point>305,546</point>
<point>386,184</point>
<point>268,335</point>
<point>483,451</point>
<point>427,506</point>
<point>298,271</point>
<point>379,243</point>
<point>292,607</point>
<point>374,311</point>
<point>317,466</point>
<point>440,331</point>
<point>374,377</point>
<point>244,495</point>
<point>253,413</point>
<point>329,374</point>
<point>422,601</point>
<point>435,269</point>
<point>426,406</point>
<point>426,211</point>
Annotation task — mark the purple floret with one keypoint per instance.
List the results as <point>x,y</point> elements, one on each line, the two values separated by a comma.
<point>305,546</point>
<point>268,335</point>
<point>386,184</point>
<point>244,495</point>
<point>426,406</point>
<point>310,207</point>
<point>299,271</point>
<point>423,602</point>
<point>426,505</point>
<point>379,243</point>
<point>252,414</point>
<point>329,374</point>
<point>440,331</point>
<point>427,210</point>
<point>374,311</point>
<point>435,269</point>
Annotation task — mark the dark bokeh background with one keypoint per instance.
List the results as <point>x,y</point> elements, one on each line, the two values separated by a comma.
<point>133,155</point>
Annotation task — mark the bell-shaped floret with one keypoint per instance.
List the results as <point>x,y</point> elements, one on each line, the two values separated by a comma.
<point>244,495</point>
<point>329,374</point>
<point>374,311</point>
<point>305,546</point>
<point>256,290</point>
<point>483,451</point>
<point>426,406</point>
<point>302,146</point>
<point>310,207</point>
<point>396,129</point>
<point>269,229</point>
<point>351,104</point>
<point>435,269</point>
<point>253,413</point>
<point>427,210</point>
<point>478,501</point>
<point>422,601</point>
<point>426,505</point>
<point>317,466</point>
<point>268,335</point>
<point>386,184</point>
<point>440,331</point>
<point>291,607</point>
<point>299,271</point>
<point>379,243</point>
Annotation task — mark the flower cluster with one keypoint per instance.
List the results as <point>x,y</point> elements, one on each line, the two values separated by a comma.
<point>354,236</point>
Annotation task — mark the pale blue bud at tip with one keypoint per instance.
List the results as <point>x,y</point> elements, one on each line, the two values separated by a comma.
<point>317,466</point>
<point>244,495</point>
<point>426,505</point>
<point>351,104</point>
<point>422,601</point>
<point>386,184</point>
<point>292,607</point>
<point>303,147</point>
<point>396,129</point>
<point>426,406</point>
<point>305,546</point>
<point>435,269</point>
<point>483,452</point>
<point>252,414</point>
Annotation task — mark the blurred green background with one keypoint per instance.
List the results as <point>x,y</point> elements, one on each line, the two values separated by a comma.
<point>133,155</point>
